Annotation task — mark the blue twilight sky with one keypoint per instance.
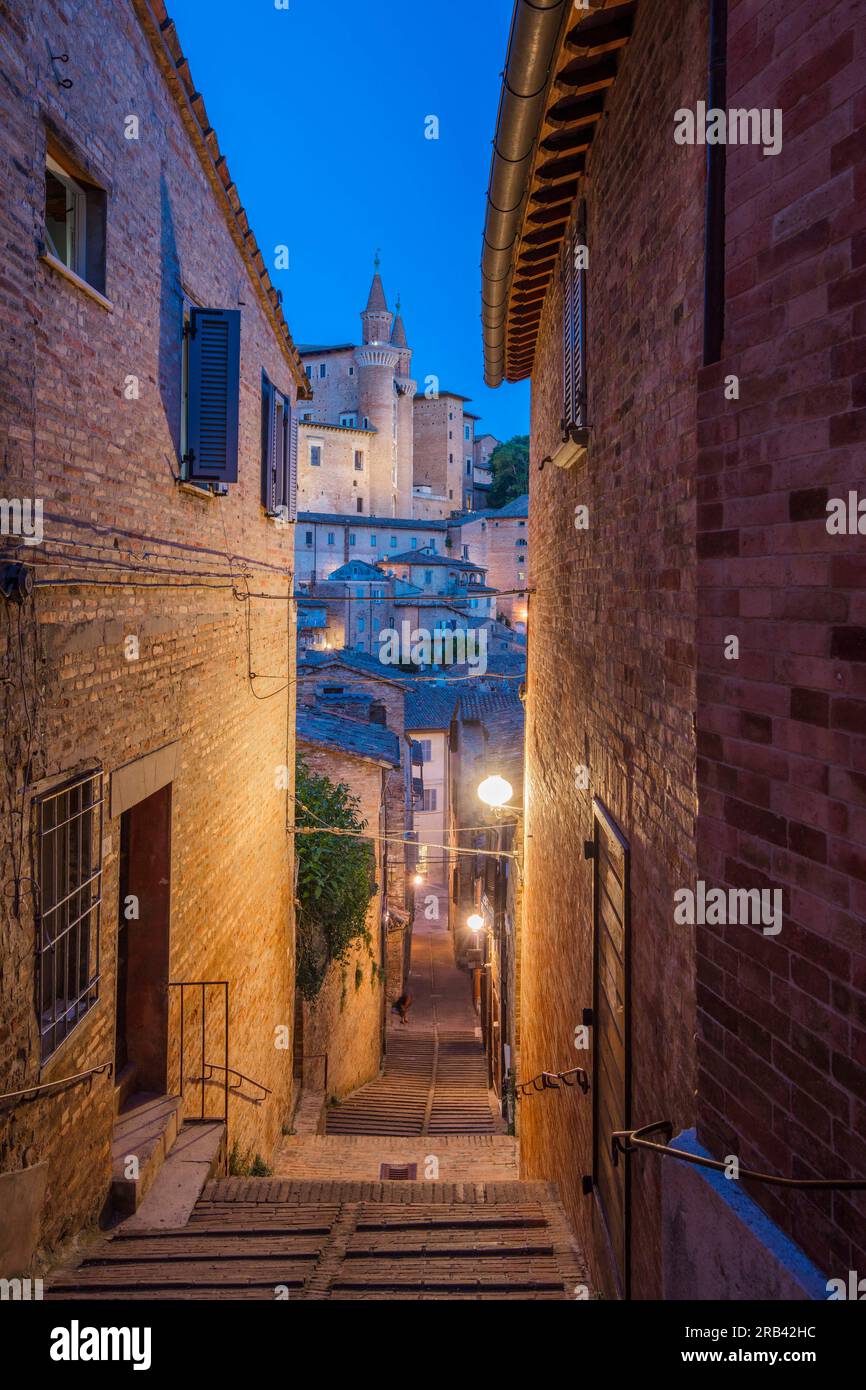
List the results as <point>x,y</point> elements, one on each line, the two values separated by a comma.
<point>320,111</point>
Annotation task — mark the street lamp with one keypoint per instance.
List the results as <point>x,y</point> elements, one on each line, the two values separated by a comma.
<point>495,791</point>
<point>418,880</point>
<point>475,922</point>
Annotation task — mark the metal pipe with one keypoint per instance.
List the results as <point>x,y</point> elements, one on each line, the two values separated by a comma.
<point>532,47</point>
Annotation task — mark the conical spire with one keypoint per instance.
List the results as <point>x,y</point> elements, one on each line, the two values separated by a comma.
<point>377,303</point>
<point>398,332</point>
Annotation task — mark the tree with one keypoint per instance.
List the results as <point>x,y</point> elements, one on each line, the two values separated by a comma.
<point>335,877</point>
<point>509,464</point>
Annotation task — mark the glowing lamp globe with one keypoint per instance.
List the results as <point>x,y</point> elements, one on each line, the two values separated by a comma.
<point>475,922</point>
<point>495,791</point>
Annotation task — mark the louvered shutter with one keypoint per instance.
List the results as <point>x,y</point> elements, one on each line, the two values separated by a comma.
<point>269,491</point>
<point>214,394</point>
<point>292,493</point>
<point>568,332</point>
<point>579,324</point>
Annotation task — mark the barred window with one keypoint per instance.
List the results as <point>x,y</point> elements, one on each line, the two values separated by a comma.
<point>574,325</point>
<point>69,860</point>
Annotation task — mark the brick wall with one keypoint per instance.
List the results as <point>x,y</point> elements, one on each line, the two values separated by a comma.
<point>782,1019</point>
<point>104,466</point>
<point>610,677</point>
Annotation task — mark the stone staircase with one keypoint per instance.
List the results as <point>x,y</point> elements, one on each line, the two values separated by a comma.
<point>261,1238</point>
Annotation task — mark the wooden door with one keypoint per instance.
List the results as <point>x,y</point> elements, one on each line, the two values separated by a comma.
<point>611,1062</point>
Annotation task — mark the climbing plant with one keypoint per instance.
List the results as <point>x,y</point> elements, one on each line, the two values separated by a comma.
<point>335,877</point>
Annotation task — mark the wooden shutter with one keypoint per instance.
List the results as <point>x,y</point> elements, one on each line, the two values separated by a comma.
<point>214,394</point>
<point>611,1059</point>
<point>568,273</point>
<point>292,493</point>
<point>574,328</point>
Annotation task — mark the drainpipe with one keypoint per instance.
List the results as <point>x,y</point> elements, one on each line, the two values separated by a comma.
<point>532,47</point>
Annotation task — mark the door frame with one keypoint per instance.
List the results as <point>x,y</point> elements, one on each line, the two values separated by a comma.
<point>603,824</point>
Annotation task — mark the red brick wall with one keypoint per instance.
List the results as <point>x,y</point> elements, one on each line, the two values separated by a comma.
<point>611,660</point>
<point>103,466</point>
<point>782,770</point>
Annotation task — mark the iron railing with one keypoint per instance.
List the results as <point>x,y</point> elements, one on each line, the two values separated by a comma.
<point>204,986</point>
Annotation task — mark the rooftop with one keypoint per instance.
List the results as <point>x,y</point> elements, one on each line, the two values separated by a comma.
<point>356,737</point>
<point>365,522</point>
<point>430,707</point>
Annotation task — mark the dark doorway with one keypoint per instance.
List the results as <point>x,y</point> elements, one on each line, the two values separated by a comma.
<point>143,940</point>
<point>611,1059</point>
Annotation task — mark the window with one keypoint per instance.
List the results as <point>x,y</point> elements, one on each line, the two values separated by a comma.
<point>374,541</point>
<point>75,220</point>
<point>450,458</point>
<point>309,372</point>
<point>468,465</point>
<point>323,369</point>
<point>69,859</point>
<point>349,421</point>
<point>467,432</point>
<point>359,504</point>
<point>520,542</point>
<point>393,540</point>
<point>351,371</point>
<point>309,538</point>
<point>279,453</point>
<point>352,539</point>
<point>330,538</point>
<point>359,460</point>
<point>413,543</point>
<point>426,746</point>
<point>428,576</point>
<point>315,455</point>
<point>361,625</point>
<point>574,325</point>
<point>366,423</point>
<point>429,802</point>
<point>211,372</point>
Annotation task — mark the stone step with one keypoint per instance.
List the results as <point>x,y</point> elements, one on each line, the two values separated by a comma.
<point>144,1131</point>
<point>247,1237</point>
<point>197,1155</point>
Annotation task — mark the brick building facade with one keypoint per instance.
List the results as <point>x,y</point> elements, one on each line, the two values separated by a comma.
<point>659,756</point>
<point>145,818</point>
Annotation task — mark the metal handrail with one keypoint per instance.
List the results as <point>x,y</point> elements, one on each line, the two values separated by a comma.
<point>627,1140</point>
<point>61,1081</point>
<point>204,985</point>
<point>214,1066</point>
<point>550,1081</point>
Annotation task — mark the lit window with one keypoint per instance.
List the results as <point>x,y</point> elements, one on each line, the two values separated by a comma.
<point>75,217</point>
<point>69,847</point>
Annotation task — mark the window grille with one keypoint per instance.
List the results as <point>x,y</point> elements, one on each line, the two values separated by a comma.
<point>69,865</point>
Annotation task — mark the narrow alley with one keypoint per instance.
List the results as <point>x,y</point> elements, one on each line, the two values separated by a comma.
<point>412,1192</point>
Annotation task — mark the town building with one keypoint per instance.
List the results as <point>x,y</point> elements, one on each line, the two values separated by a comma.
<point>498,542</point>
<point>150,395</point>
<point>444,451</point>
<point>325,541</point>
<point>429,713</point>
<point>690,316</point>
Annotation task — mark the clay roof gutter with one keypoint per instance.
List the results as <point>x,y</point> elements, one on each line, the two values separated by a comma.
<point>532,47</point>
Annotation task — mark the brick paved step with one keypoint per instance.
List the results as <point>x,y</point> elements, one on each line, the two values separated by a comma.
<point>248,1237</point>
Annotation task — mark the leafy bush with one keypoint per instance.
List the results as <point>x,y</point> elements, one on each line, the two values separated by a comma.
<point>335,878</point>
